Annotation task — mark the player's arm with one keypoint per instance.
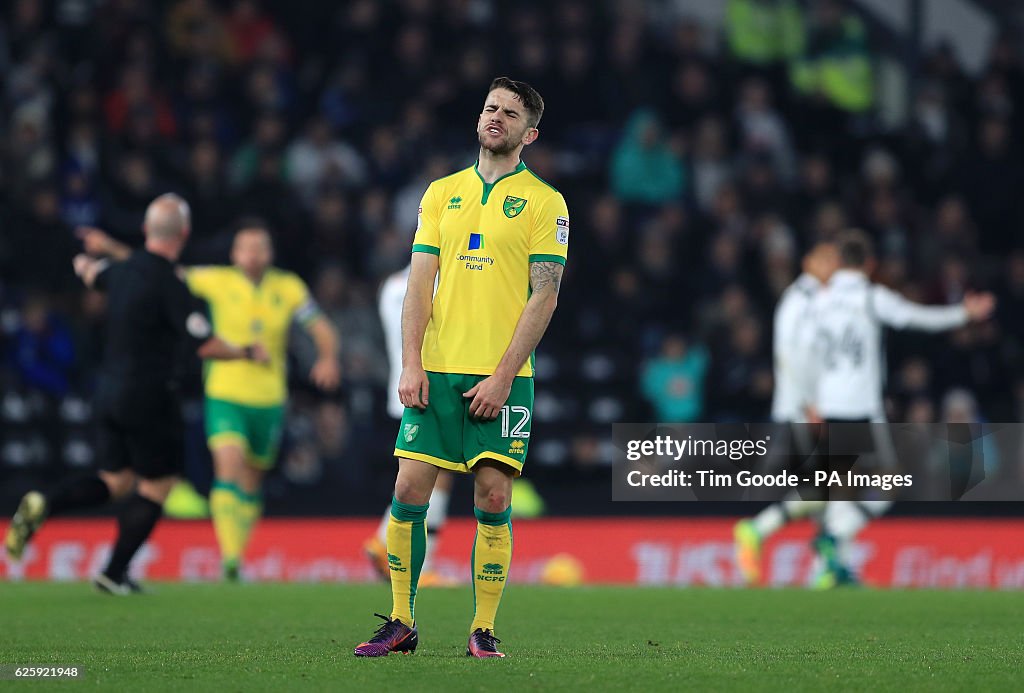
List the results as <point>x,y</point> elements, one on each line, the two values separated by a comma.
<point>549,243</point>
<point>217,349</point>
<point>98,242</point>
<point>185,313</point>
<point>810,365</point>
<point>785,329</point>
<point>490,394</point>
<point>808,376</point>
<point>898,312</point>
<point>413,386</point>
<point>326,372</point>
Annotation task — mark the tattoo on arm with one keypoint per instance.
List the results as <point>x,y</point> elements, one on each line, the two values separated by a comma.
<point>544,274</point>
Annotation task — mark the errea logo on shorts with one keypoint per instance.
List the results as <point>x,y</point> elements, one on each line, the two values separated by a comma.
<point>562,230</point>
<point>516,447</point>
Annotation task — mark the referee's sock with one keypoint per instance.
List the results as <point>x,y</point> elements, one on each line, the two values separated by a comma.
<point>83,491</point>
<point>136,521</point>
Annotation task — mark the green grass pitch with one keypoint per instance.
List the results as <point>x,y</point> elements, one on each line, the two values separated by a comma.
<point>281,637</point>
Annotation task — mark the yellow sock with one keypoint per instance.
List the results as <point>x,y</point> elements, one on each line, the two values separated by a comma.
<point>407,546</point>
<point>226,500</point>
<point>492,555</point>
<point>249,510</point>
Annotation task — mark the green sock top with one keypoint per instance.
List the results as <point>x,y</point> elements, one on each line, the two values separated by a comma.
<point>235,489</point>
<point>487,518</point>
<point>403,512</point>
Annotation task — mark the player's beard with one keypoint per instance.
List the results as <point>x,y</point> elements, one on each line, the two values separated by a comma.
<point>504,148</point>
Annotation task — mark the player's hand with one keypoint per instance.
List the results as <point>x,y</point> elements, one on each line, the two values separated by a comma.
<point>259,354</point>
<point>489,396</point>
<point>979,306</point>
<point>812,415</point>
<point>414,388</point>
<point>95,241</point>
<point>326,373</point>
<point>81,263</point>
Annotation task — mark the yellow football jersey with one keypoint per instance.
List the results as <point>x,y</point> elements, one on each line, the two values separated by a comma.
<point>243,313</point>
<point>485,237</point>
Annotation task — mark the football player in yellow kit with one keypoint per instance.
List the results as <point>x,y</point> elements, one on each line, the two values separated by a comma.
<point>494,236</point>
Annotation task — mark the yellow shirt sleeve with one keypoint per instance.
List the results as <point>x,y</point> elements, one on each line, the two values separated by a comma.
<point>428,225</point>
<point>549,238</point>
<point>304,307</point>
<point>202,281</point>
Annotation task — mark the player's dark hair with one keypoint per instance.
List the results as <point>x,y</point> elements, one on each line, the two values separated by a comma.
<point>855,248</point>
<point>254,224</point>
<point>529,97</point>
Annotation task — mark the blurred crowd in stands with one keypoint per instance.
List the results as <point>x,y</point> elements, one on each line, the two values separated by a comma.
<point>697,164</point>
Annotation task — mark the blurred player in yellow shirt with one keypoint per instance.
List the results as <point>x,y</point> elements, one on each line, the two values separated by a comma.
<point>251,302</point>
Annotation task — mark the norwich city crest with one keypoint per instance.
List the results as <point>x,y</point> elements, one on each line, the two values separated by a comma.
<point>410,433</point>
<point>513,206</point>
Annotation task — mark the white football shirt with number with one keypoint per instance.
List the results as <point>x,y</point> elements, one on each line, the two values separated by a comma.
<point>848,366</point>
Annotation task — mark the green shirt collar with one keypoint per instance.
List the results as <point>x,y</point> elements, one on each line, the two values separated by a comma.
<point>488,187</point>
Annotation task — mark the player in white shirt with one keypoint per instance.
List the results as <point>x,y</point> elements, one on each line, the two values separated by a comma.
<point>847,370</point>
<point>389,304</point>
<point>793,334</point>
<point>392,295</point>
<point>792,343</point>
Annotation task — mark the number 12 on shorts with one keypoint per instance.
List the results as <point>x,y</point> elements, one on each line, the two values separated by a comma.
<point>516,431</point>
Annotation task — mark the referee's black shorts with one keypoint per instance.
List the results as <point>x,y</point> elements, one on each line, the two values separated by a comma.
<point>146,435</point>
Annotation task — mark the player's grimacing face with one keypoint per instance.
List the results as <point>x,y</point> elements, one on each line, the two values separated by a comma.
<point>251,251</point>
<point>502,125</point>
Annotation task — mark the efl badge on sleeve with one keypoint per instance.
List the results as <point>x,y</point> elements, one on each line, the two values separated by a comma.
<point>562,230</point>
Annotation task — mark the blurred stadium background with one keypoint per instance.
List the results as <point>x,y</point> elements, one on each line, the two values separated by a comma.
<point>701,146</point>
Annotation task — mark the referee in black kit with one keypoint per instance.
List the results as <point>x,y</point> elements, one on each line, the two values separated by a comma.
<point>151,317</point>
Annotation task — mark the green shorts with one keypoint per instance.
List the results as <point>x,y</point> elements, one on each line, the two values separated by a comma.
<point>257,430</point>
<point>445,435</point>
